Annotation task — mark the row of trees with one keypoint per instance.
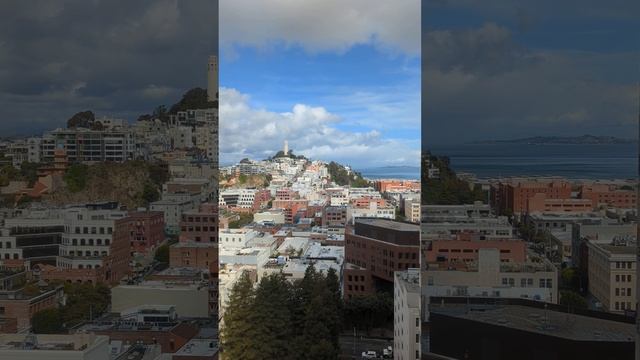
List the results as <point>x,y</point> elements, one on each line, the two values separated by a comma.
<point>283,320</point>
<point>279,319</point>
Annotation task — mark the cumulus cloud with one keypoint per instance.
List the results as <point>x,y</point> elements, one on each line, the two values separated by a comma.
<point>321,25</point>
<point>247,131</point>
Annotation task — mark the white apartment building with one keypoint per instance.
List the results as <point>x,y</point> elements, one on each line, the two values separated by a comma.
<point>412,210</point>
<point>406,315</point>
<point>235,238</point>
<point>90,146</point>
<point>87,237</point>
<point>612,275</point>
<point>172,208</point>
<point>242,198</point>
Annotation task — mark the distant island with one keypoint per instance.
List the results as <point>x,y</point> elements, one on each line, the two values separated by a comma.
<point>561,140</point>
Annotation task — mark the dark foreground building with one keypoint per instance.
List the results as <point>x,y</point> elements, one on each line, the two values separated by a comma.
<point>501,332</point>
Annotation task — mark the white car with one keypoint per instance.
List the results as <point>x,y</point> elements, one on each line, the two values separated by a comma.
<point>369,354</point>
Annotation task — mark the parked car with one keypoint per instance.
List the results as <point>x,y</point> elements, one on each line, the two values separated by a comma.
<point>369,354</point>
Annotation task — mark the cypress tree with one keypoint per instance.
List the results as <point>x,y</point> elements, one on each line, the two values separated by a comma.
<point>237,319</point>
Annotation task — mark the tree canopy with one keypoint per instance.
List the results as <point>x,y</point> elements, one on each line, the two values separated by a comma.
<point>283,320</point>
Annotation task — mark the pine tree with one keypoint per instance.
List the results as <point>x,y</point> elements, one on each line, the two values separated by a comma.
<point>271,332</point>
<point>237,319</point>
<point>333,284</point>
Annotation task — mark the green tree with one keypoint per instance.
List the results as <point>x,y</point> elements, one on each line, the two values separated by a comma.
<point>162,254</point>
<point>150,193</point>
<point>243,220</point>
<point>76,177</point>
<point>271,333</point>
<point>237,319</point>
<point>572,300</point>
<point>84,301</point>
<point>447,189</point>
<point>47,321</point>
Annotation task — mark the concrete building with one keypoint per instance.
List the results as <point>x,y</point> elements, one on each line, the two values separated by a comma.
<point>236,238</point>
<point>275,217</point>
<point>406,315</point>
<point>190,300</point>
<point>536,279</point>
<point>54,347</point>
<point>412,211</point>
<point>371,211</point>
<point>528,330</point>
<point>612,275</point>
<point>90,146</point>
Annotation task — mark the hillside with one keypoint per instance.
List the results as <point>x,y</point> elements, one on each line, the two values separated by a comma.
<point>448,189</point>
<point>133,184</point>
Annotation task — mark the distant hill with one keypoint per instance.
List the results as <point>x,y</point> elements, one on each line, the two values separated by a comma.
<point>561,140</point>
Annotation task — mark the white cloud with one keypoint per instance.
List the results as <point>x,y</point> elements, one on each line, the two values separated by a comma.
<point>321,25</point>
<point>246,131</point>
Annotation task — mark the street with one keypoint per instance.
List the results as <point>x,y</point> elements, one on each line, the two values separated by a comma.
<point>362,344</point>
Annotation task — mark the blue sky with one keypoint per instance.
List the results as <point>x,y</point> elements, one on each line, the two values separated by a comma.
<point>507,69</point>
<point>365,85</point>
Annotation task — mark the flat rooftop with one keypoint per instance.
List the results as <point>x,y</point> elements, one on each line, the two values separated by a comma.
<point>541,321</point>
<point>389,224</point>
<point>198,347</point>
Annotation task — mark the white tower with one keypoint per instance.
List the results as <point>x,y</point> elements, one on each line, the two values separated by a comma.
<point>212,78</point>
<point>286,148</point>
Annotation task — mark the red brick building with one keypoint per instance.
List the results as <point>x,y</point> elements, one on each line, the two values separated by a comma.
<point>513,196</point>
<point>465,249</point>
<point>291,208</point>
<point>609,195</point>
<point>200,225</point>
<point>374,250</point>
<point>365,202</point>
<point>145,230</point>
<point>396,185</point>
<point>334,216</point>
<point>19,306</point>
